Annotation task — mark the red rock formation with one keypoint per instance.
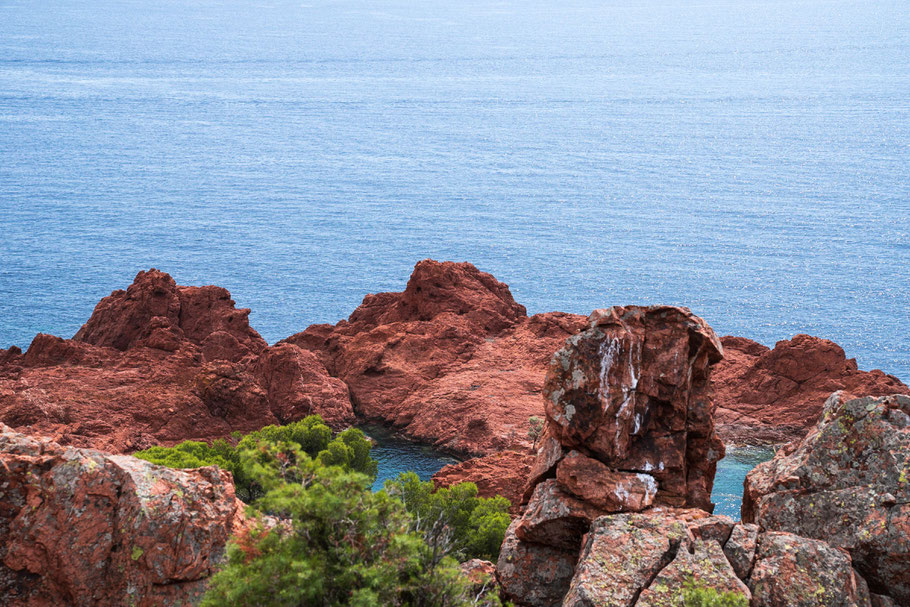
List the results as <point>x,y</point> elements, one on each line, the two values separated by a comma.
<point>847,483</point>
<point>452,360</point>
<point>503,473</point>
<point>632,391</point>
<point>774,396</point>
<point>85,528</point>
<point>158,364</point>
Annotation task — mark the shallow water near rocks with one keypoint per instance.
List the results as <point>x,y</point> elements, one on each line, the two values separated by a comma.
<point>396,454</point>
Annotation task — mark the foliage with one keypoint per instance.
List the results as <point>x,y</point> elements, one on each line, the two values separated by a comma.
<point>699,595</point>
<point>323,539</point>
<point>453,520</point>
<point>535,428</point>
<point>349,450</point>
<point>341,544</point>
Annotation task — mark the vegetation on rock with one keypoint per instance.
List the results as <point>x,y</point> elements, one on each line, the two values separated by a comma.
<point>336,542</point>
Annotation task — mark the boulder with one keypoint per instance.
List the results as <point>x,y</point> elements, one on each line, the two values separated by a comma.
<point>632,392</point>
<point>607,489</point>
<point>620,557</point>
<point>847,483</point>
<point>556,518</point>
<point>86,528</point>
<point>533,574</point>
<point>775,395</point>
<point>800,572</point>
<point>740,548</point>
<point>703,564</point>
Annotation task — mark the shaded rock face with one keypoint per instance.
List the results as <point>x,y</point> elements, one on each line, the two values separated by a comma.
<point>775,395</point>
<point>847,483</point>
<point>453,360</point>
<point>504,473</point>
<point>632,392</point>
<point>85,528</point>
<point>158,364</point>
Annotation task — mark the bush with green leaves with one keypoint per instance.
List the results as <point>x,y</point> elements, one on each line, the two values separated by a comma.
<point>349,450</point>
<point>338,544</point>
<point>453,519</point>
<point>331,541</point>
<point>696,594</point>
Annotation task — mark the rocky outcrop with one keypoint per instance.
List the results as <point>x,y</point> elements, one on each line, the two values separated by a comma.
<point>503,473</point>
<point>632,392</point>
<point>775,395</point>
<point>84,528</point>
<point>453,360</point>
<point>847,483</point>
<point>800,572</point>
<point>158,364</point>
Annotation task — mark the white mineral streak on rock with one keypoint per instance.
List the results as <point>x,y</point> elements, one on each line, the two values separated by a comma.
<point>609,350</point>
<point>650,485</point>
<point>570,411</point>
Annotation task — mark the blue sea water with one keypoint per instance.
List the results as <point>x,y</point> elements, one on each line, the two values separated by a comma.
<point>747,158</point>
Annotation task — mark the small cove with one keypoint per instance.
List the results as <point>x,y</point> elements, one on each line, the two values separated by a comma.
<point>396,454</point>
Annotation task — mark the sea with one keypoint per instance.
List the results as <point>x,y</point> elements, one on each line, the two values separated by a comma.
<point>749,159</point>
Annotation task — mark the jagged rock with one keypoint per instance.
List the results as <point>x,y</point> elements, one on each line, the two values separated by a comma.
<point>632,391</point>
<point>533,574</point>
<point>158,364</point>
<point>775,395</point>
<point>85,528</point>
<point>606,489</point>
<point>847,483</point>
<point>504,473</point>
<point>740,548</point>
<point>799,572</point>
<point>622,554</point>
<point>556,518</point>
<point>124,318</point>
<point>702,563</point>
<point>717,528</point>
<point>453,360</point>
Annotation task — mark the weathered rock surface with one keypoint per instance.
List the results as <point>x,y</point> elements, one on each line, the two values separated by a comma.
<point>555,517</point>
<point>453,360</point>
<point>533,574</point>
<point>623,553</point>
<point>85,528</point>
<point>799,572</point>
<point>632,391</point>
<point>503,473</point>
<point>158,364</point>
<point>847,483</point>
<point>775,395</point>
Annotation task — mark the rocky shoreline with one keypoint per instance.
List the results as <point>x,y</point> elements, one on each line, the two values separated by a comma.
<point>452,361</point>
<point>607,449</point>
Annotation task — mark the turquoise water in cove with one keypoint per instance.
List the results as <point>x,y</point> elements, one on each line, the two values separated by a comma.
<point>746,158</point>
<point>396,454</point>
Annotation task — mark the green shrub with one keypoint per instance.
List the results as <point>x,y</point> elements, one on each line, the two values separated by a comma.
<point>349,450</point>
<point>696,594</point>
<point>339,544</point>
<point>453,519</point>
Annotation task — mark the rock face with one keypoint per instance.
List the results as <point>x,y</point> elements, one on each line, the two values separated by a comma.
<point>453,360</point>
<point>158,364</point>
<point>775,395</point>
<point>85,528</point>
<point>632,391</point>
<point>504,473</point>
<point>847,483</point>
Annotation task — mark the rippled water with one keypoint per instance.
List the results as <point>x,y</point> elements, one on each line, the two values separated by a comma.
<point>747,158</point>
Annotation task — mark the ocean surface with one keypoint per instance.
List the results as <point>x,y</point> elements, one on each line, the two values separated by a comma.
<point>748,159</point>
